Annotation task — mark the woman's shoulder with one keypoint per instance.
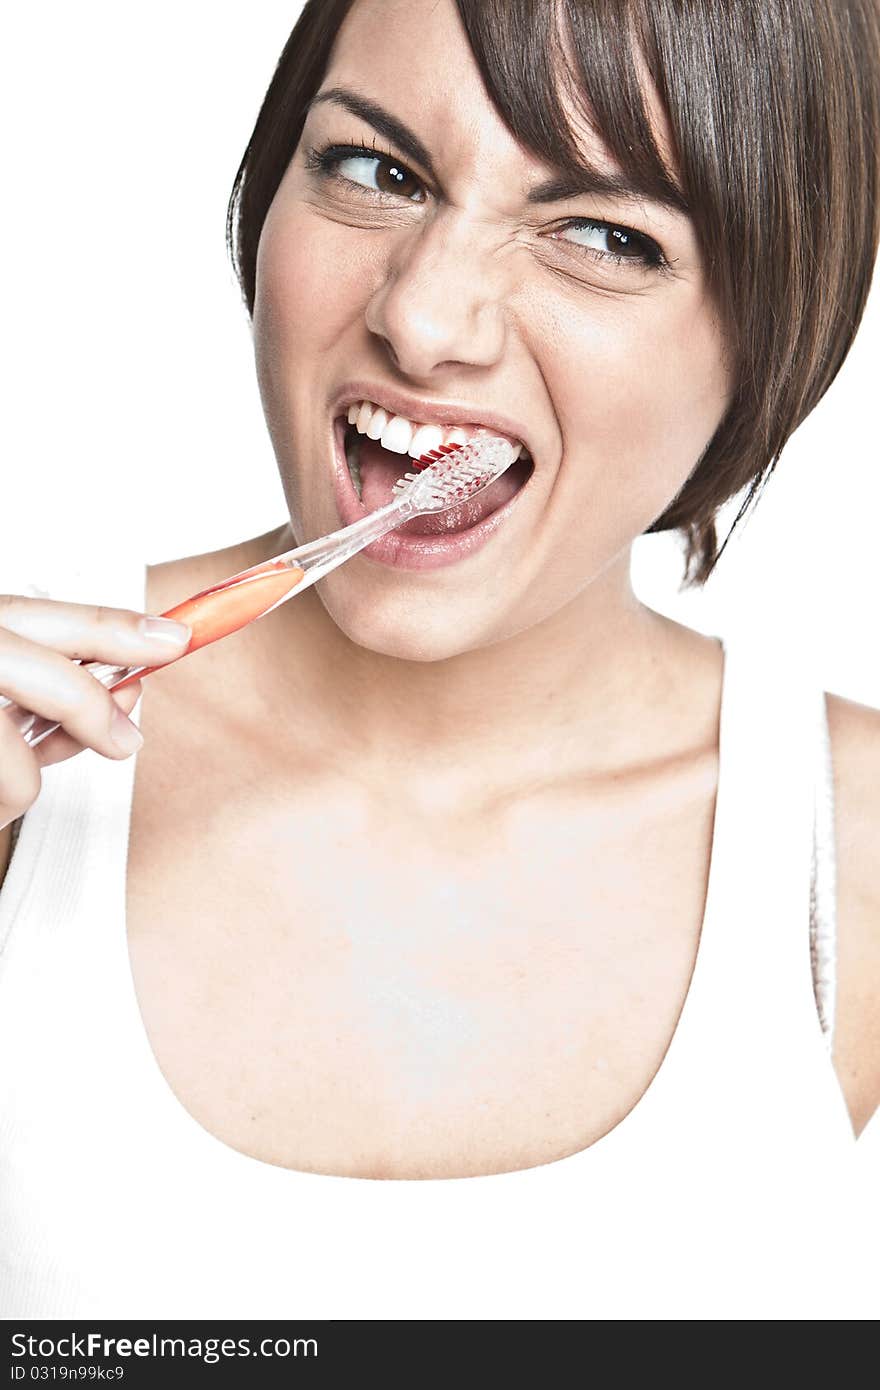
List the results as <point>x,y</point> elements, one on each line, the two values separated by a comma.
<point>169,581</point>
<point>854,734</point>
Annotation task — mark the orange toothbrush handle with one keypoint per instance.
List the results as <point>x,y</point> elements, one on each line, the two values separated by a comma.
<point>216,612</point>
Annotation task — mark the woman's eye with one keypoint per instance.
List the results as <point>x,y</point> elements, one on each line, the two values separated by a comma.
<point>385,175</point>
<point>377,172</point>
<point>609,242</point>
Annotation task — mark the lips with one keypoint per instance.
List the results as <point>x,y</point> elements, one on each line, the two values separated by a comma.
<point>416,546</point>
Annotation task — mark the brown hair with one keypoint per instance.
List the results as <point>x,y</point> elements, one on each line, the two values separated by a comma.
<point>774,109</point>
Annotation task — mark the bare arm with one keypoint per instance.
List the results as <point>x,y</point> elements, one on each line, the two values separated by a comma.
<point>855,749</point>
<point>43,644</point>
<point>5,850</point>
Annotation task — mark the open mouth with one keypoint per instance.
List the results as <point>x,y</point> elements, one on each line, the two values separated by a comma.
<point>378,447</point>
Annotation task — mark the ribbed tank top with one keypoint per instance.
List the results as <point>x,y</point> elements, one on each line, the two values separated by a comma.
<point>730,1190</point>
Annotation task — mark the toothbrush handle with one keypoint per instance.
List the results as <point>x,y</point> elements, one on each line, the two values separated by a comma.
<point>227,607</point>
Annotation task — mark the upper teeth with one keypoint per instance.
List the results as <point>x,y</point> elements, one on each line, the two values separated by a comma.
<point>402,436</point>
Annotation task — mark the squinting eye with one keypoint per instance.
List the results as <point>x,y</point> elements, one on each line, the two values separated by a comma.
<point>606,241</point>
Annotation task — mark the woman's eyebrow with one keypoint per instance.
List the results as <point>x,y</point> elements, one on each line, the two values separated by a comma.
<point>586,181</point>
<point>601,183</point>
<point>382,121</point>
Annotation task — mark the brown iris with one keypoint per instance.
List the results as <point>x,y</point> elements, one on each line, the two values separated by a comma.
<point>394,178</point>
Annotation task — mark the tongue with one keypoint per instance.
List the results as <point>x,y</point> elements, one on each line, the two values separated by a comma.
<point>380,470</point>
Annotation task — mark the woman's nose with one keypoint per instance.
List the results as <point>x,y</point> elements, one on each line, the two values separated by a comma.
<point>439,304</point>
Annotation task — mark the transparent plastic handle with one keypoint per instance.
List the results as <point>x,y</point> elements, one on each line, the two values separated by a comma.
<point>316,559</point>
<point>34,728</point>
<point>311,562</point>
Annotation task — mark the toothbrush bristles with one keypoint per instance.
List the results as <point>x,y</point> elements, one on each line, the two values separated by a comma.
<point>435,455</point>
<point>455,473</point>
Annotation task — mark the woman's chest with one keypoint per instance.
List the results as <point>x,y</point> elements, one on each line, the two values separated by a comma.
<point>351,992</point>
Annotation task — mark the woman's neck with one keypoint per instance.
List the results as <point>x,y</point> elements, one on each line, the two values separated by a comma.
<point>590,690</point>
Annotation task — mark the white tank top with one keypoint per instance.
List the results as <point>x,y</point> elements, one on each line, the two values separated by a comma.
<point>730,1190</point>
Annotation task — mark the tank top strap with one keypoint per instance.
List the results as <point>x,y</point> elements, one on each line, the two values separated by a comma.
<point>770,722</point>
<point>755,1009</point>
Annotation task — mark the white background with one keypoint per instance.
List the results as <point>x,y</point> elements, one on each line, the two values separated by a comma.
<point>132,417</point>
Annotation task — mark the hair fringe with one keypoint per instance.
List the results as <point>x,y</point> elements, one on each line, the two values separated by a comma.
<point>780,162</point>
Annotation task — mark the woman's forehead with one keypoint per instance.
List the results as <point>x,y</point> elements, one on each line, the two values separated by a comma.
<point>414,56</point>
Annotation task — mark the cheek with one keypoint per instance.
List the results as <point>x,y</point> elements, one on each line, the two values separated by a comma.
<point>639,388</point>
<point>311,282</point>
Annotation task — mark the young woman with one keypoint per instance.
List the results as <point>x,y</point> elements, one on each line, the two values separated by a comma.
<point>466,864</point>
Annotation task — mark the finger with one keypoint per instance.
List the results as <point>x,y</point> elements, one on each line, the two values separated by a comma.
<point>40,680</point>
<point>19,772</point>
<point>61,745</point>
<point>88,632</point>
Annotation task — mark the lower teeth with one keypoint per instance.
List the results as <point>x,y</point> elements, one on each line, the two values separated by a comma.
<point>352,458</point>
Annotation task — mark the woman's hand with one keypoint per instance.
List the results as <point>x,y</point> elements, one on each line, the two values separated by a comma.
<point>40,640</point>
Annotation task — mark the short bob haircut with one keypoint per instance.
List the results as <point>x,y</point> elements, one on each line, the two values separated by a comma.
<point>775,117</point>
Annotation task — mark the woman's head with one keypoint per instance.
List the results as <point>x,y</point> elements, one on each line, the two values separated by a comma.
<point>724,153</point>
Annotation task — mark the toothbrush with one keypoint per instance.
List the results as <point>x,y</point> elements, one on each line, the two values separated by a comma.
<point>451,474</point>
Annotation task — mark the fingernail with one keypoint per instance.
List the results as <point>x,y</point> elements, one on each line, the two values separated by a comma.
<point>165,630</point>
<point>127,736</point>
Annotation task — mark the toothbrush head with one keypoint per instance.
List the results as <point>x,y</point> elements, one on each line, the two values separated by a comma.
<point>455,472</point>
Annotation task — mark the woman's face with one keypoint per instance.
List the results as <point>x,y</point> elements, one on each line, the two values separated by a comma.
<point>425,279</point>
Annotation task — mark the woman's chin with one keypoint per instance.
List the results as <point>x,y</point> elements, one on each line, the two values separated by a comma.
<point>407,631</point>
